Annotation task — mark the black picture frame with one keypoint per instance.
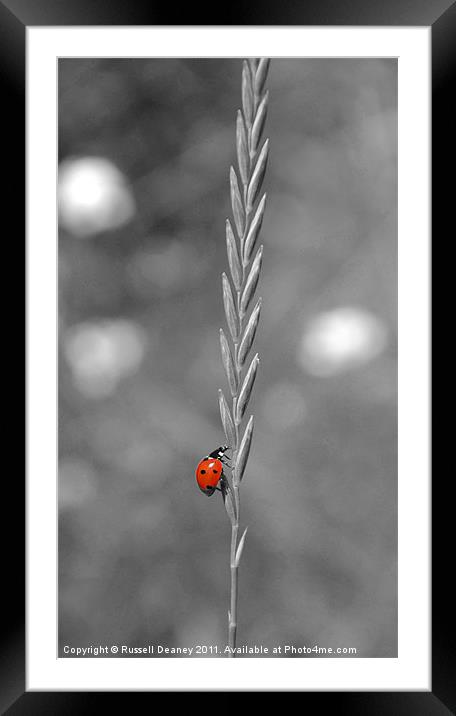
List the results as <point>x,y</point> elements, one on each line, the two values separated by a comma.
<point>15,17</point>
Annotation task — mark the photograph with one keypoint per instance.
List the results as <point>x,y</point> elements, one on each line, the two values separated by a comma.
<point>227,357</point>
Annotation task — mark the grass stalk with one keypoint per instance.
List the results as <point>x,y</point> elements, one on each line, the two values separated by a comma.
<point>242,239</point>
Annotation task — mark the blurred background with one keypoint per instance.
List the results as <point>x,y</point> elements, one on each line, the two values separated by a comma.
<point>145,147</point>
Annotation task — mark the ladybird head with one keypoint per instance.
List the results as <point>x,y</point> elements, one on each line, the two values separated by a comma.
<point>219,453</point>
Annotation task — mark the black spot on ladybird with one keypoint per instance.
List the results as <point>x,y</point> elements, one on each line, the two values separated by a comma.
<point>203,472</point>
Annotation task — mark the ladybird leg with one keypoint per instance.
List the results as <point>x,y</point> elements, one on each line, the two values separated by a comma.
<point>224,484</point>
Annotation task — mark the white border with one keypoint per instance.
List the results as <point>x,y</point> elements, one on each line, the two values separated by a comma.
<point>411,671</point>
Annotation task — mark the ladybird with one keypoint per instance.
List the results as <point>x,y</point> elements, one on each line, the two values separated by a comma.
<point>210,470</point>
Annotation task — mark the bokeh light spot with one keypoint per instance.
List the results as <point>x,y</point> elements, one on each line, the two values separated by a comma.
<point>93,196</point>
<point>102,353</point>
<point>341,339</point>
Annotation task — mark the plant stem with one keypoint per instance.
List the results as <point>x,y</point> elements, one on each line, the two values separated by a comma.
<point>232,625</point>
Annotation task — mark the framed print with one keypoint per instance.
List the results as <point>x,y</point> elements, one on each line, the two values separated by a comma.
<point>228,358</point>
